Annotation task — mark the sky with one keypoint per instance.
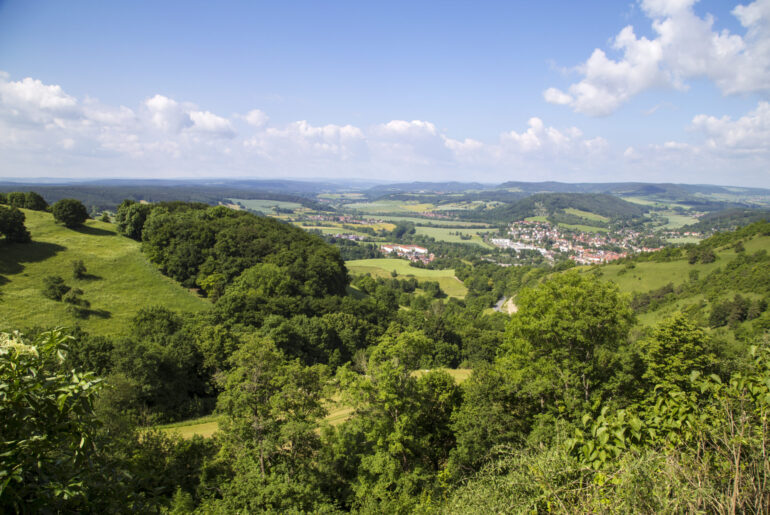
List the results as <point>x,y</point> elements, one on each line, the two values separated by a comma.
<point>590,91</point>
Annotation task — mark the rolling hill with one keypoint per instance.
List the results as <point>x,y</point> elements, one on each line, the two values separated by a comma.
<point>119,280</point>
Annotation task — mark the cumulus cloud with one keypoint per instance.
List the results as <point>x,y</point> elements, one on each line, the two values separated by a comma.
<point>749,134</point>
<point>256,118</point>
<point>46,132</point>
<point>686,47</point>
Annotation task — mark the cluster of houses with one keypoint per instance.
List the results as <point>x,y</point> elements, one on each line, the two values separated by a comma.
<point>410,252</point>
<point>583,248</point>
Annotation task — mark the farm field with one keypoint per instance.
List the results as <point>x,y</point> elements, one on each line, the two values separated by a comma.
<point>451,236</point>
<point>389,206</point>
<point>422,221</point>
<point>450,284</point>
<point>338,412</point>
<point>266,206</point>
<point>120,279</point>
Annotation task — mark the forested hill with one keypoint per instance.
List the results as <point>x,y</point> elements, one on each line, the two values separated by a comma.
<point>545,204</point>
<point>210,247</point>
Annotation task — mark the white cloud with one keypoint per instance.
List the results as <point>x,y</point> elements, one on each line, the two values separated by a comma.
<point>750,134</point>
<point>46,132</point>
<point>556,96</point>
<point>686,47</point>
<point>206,121</point>
<point>256,118</point>
<point>167,114</point>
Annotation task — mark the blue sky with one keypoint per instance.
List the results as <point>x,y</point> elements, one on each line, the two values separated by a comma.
<point>656,90</point>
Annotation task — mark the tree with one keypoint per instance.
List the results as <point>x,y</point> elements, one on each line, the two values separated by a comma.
<point>12,225</point>
<point>17,199</point>
<point>676,348</point>
<point>35,201</point>
<point>269,438</point>
<point>70,212</point>
<point>575,321</point>
<point>130,218</point>
<point>47,426</point>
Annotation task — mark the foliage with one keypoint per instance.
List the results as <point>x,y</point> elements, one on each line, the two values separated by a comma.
<point>12,225</point>
<point>70,212</point>
<point>35,201</point>
<point>48,425</point>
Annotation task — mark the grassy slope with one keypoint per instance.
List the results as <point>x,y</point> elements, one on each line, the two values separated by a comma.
<point>651,276</point>
<point>122,279</point>
<point>383,267</point>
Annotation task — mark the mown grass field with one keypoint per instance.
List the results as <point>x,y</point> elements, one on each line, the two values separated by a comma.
<point>120,279</point>
<point>337,411</point>
<point>383,267</point>
<point>451,236</point>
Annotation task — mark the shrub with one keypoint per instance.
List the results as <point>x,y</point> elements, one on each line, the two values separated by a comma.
<point>70,212</point>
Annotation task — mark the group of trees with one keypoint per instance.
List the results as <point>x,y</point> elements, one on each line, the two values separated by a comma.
<point>70,212</point>
<point>570,405</point>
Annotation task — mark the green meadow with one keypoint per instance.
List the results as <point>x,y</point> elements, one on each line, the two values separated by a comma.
<point>383,267</point>
<point>451,236</point>
<point>119,278</point>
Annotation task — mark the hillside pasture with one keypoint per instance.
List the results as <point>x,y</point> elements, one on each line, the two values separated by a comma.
<point>119,280</point>
<point>383,267</point>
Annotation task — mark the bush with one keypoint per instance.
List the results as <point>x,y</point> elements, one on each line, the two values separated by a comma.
<point>78,269</point>
<point>70,212</point>
<point>54,287</point>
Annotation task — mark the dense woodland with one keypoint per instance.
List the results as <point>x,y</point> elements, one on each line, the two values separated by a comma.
<point>573,405</point>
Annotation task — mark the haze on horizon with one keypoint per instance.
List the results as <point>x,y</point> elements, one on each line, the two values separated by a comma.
<point>652,91</point>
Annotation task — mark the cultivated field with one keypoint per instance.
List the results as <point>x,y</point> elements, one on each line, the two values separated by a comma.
<point>120,279</point>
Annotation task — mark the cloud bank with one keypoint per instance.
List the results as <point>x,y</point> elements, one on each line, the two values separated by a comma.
<point>45,132</point>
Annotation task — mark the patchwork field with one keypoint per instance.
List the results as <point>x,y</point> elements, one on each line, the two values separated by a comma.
<point>450,284</point>
<point>120,279</point>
